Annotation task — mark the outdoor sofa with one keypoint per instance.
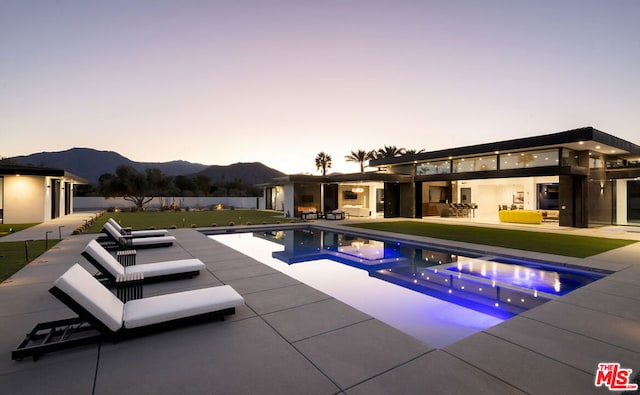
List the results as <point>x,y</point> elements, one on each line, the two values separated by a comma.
<point>520,216</point>
<point>335,215</point>
<point>157,271</point>
<point>102,315</point>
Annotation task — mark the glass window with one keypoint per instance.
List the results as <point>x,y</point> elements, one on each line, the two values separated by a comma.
<point>569,157</point>
<point>633,201</point>
<point>520,160</point>
<point>614,163</point>
<point>596,162</point>
<point>548,195</point>
<point>483,163</point>
<point>437,167</point>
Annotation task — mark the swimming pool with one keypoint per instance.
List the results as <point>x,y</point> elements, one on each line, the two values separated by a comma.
<point>433,293</point>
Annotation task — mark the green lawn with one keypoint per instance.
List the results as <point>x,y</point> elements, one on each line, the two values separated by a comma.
<point>13,255</point>
<point>6,229</point>
<point>169,219</point>
<point>552,243</point>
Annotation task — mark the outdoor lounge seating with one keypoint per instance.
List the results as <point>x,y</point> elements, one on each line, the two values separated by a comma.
<point>126,241</point>
<point>335,215</point>
<point>157,271</point>
<point>309,215</point>
<point>137,233</point>
<point>102,315</point>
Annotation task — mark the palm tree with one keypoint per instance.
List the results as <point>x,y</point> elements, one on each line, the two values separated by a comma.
<point>323,161</point>
<point>414,152</point>
<point>360,156</point>
<point>389,151</point>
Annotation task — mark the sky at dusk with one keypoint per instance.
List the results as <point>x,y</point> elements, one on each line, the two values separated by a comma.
<point>219,82</point>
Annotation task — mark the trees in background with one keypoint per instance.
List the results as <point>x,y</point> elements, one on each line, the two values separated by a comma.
<point>134,186</point>
<point>389,151</point>
<point>323,162</point>
<point>142,187</point>
<point>360,156</point>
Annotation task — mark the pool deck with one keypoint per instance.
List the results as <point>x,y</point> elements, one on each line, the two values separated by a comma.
<point>290,338</point>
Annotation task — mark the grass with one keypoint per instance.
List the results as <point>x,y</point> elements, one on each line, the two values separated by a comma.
<point>188,219</point>
<point>13,256</point>
<point>552,243</point>
<point>6,229</point>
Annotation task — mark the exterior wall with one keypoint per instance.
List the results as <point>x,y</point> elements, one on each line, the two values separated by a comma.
<point>601,200</point>
<point>621,202</point>
<point>289,209</point>
<point>85,203</point>
<point>24,200</point>
<point>279,205</point>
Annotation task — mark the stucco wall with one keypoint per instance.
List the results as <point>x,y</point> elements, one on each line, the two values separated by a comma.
<point>23,199</point>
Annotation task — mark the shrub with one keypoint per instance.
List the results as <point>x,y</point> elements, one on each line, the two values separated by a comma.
<point>232,223</point>
<point>173,227</point>
<point>213,225</point>
<point>194,225</point>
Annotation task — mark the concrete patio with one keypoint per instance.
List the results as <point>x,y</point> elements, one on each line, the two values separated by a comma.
<point>290,338</point>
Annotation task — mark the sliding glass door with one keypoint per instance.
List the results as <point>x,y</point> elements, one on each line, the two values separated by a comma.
<point>633,201</point>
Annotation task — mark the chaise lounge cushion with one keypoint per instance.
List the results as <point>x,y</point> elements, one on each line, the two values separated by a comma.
<point>86,291</point>
<point>92,296</point>
<point>166,268</point>
<point>150,270</point>
<point>139,241</point>
<point>138,233</point>
<point>162,308</point>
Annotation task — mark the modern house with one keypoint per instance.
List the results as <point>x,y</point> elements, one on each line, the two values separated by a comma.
<point>35,194</point>
<point>581,177</point>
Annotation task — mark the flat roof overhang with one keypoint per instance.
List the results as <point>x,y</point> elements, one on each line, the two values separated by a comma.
<point>582,139</point>
<point>39,171</point>
<point>510,173</point>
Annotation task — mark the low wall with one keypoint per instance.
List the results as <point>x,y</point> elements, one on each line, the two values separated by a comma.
<point>86,203</point>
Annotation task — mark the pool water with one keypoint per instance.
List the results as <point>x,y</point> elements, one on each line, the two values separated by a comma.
<point>434,294</point>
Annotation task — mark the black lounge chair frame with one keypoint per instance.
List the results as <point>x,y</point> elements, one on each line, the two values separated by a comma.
<point>54,336</point>
<point>58,335</point>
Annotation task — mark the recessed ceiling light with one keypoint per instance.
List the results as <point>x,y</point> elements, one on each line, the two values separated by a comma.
<point>597,147</point>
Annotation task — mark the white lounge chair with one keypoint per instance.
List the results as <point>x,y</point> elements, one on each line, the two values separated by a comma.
<point>100,310</point>
<point>125,241</point>
<point>157,271</point>
<point>137,233</point>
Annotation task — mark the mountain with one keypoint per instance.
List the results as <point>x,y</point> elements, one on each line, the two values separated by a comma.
<point>250,173</point>
<point>90,164</point>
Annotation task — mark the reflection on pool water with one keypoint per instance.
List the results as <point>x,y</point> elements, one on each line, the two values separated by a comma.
<point>435,295</point>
